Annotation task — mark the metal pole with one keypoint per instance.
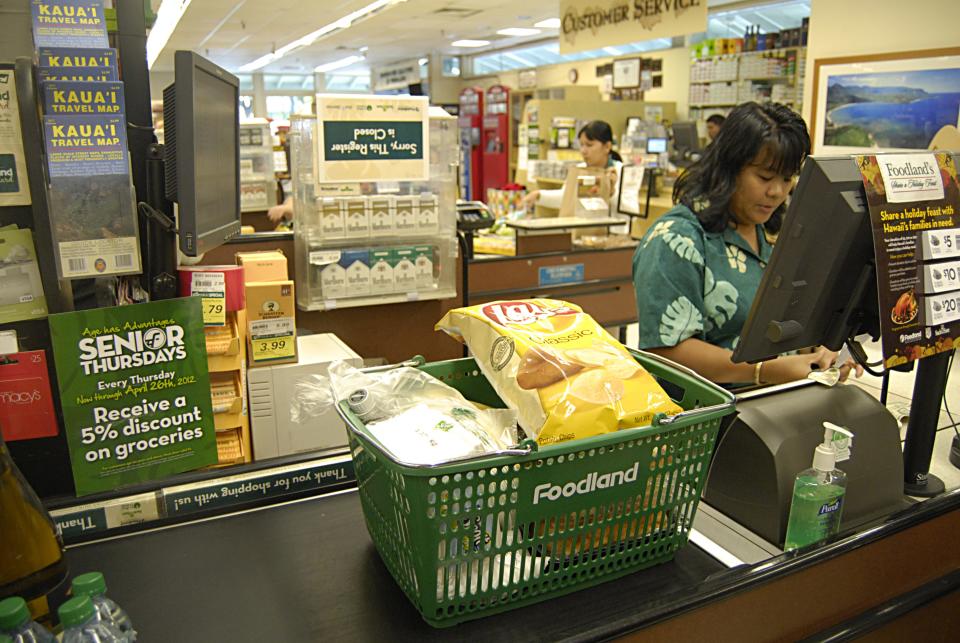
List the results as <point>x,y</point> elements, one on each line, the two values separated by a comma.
<point>928,390</point>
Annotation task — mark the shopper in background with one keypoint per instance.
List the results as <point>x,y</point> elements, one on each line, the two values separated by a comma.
<point>283,212</point>
<point>697,270</point>
<point>596,146</point>
<point>714,123</point>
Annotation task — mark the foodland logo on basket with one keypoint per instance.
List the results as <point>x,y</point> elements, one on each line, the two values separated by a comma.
<point>507,313</point>
<point>593,481</point>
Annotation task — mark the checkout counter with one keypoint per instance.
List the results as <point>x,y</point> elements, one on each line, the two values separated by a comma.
<point>306,570</point>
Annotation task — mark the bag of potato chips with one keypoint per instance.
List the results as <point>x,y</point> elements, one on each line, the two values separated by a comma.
<point>565,375</point>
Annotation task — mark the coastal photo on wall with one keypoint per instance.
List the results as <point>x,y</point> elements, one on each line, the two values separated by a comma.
<point>901,104</point>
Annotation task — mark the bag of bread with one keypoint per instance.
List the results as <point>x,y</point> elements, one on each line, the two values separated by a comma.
<point>565,375</point>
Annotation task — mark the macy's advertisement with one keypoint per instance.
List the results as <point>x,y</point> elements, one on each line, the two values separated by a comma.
<point>135,392</point>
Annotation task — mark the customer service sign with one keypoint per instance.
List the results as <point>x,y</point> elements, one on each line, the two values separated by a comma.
<point>592,24</point>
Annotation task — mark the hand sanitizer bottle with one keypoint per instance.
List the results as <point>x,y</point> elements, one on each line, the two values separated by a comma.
<point>818,494</point>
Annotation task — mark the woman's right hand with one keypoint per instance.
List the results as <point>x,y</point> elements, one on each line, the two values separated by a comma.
<point>530,200</point>
<point>788,368</point>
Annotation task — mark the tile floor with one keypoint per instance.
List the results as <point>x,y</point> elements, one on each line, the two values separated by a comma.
<point>898,402</point>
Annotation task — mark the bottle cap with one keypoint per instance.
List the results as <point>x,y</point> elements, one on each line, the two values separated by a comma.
<point>89,584</point>
<point>13,613</point>
<point>361,403</point>
<point>76,611</point>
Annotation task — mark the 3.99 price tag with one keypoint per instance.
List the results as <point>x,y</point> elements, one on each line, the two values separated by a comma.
<point>272,348</point>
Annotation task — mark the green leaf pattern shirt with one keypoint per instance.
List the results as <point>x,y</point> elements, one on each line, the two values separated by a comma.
<point>694,283</point>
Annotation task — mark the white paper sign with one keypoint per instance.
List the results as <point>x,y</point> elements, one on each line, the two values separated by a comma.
<point>910,177</point>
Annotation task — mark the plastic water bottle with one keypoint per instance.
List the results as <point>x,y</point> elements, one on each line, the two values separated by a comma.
<point>92,584</point>
<point>82,624</point>
<point>16,624</point>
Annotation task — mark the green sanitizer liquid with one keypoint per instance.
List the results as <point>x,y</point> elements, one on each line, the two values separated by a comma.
<point>815,510</point>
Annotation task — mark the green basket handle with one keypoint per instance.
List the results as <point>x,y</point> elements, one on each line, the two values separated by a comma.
<point>414,362</point>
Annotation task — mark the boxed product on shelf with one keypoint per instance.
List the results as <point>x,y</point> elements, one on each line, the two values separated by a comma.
<point>408,249</point>
<point>265,265</point>
<point>257,195</point>
<point>271,322</point>
<point>271,311</point>
<point>382,215</point>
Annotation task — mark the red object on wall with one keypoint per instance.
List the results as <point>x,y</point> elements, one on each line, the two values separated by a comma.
<point>496,138</point>
<point>471,159</point>
<point>26,403</point>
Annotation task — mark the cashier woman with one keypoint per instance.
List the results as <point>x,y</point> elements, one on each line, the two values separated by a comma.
<point>596,146</point>
<point>697,270</point>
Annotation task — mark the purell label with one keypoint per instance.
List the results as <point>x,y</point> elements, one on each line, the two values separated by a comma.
<point>830,507</point>
<point>910,177</point>
<point>593,481</point>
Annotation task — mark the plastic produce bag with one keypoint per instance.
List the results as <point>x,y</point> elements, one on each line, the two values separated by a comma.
<point>415,416</point>
<point>567,377</point>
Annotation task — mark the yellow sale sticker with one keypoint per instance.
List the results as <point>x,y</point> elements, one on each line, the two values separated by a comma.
<point>270,348</point>
<point>214,311</point>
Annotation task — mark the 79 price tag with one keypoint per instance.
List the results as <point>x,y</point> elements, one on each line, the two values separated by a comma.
<point>271,348</point>
<point>214,311</point>
<point>211,287</point>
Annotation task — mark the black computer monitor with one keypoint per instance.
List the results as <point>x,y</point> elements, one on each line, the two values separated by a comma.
<point>820,285</point>
<point>202,152</point>
<point>685,136</point>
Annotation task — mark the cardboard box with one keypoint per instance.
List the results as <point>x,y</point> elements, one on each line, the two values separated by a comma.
<point>271,396</point>
<point>268,265</point>
<point>271,322</point>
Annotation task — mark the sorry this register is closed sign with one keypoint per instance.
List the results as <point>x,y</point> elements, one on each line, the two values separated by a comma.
<point>135,392</point>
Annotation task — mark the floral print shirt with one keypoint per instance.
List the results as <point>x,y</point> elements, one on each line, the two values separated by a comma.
<point>694,283</point>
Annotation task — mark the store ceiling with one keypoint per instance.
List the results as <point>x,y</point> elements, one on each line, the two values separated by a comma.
<point>233,33</point>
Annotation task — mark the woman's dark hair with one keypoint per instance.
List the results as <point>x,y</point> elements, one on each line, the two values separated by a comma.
<point>600,131</point>
<point>771,131</point>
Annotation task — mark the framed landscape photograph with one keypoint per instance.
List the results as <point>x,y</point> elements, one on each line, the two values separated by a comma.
<point>884,102</point>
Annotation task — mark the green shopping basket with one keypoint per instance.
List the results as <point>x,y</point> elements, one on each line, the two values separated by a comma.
<point>478,536</point>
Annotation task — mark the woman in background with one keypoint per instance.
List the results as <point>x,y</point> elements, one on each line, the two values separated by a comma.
<point>596,146</point>
<point>697,270</point>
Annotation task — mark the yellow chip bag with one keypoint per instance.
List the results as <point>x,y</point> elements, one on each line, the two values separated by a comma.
<point>565,375</point>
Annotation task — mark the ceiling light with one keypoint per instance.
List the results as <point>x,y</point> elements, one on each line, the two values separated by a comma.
<point>168,17</point>
<point>337,64</point>
<point>344,22</point>
<point>549,23</point>
<point>423,61</point>
<point>518,31</point>
<point>470,43</point>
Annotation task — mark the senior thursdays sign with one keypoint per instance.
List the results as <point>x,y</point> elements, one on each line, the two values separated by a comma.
<point>592,24</point>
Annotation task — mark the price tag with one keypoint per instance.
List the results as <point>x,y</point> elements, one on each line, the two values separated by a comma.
<point>214,311</point>
<point>940,244</point>
<point>941,277</point>
<point>273,348</point>
<point>942,309</point>
<point>211,287</point>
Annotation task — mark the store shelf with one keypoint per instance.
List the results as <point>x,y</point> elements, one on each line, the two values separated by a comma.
<point>746,53</point>
<point>377,300</point>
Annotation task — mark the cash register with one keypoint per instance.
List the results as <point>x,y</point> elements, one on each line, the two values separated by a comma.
<point>818,289</point>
